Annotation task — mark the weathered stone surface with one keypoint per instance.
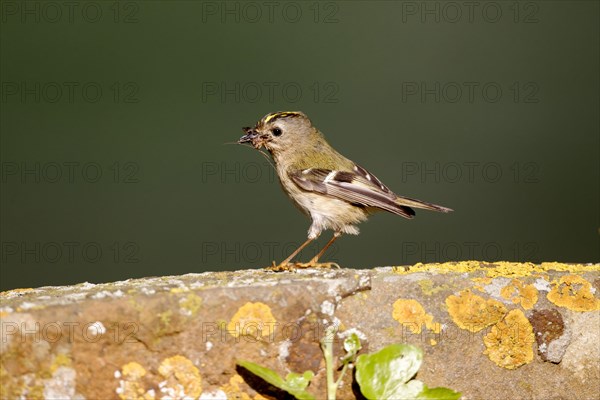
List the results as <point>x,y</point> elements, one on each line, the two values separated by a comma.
<point>490,331</point>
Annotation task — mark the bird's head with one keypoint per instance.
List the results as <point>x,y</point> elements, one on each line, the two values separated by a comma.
<point>279,131</point>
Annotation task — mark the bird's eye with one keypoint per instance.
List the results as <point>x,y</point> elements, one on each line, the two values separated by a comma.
<point>276,132</point>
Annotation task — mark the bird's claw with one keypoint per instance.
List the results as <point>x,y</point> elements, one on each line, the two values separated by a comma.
<point>297,265</point>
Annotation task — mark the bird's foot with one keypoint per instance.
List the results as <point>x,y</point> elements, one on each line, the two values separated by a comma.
<point>298,265</point>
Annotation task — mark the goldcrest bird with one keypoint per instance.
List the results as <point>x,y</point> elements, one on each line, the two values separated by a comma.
<point>333,191</point>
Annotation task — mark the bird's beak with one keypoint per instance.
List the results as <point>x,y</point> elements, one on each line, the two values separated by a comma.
<point>250,135</point>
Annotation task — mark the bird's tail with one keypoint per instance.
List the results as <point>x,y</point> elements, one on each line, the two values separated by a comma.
<point>408,202</point>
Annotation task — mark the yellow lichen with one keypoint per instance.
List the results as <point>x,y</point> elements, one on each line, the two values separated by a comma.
<point>410,313</point>
<point>574,293</point>
<point>496,269</point>
<point>165,318</point>
<point>233,391</point>
<point>133,370</point>
<point>473,312</point>
<point>252,319</point>
<point>509,343</point>
<point>180,373</point>
<point>574,268</point>
<point>132,386</point>
<point>60,360</point>
<point>428,288</point>
<point>512,269</point>
<point>481,281</point>
<point>518,293</point>
<point>11,387</point>
<point>191,303</point>
<point>15,292</point>
<point>443,268</point>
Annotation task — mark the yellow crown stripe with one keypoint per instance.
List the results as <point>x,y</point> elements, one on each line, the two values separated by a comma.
<point>280,115</point>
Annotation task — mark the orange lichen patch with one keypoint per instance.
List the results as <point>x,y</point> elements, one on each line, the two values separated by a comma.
<point>518,293</point>
<point>181,375</point>
<point>574,293</point>
<point>473,312</point>
<point>509,343</point>
<point>131,385</point>
<point>233,391</point>
<point>410,313</point>
<point>252,319</point>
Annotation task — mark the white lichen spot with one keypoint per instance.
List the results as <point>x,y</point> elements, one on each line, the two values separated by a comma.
<point>27,305</point>
<point>494,289</point>
<point>171,393</point>
<point>209,346</point>
<point>61,385</point>
<point>87,285</point>
<point>196,285</point>
<point>284,350</point>
<point>118,293</point>
<point>101,294</point>
<point>75,296</point>
<point>215,395</point>
<point>327,308</point>
<point>96,329</point>
<point>117,374</point>
<point>185,312</point>
<point>542,285</point>
<point>147,291</point>
<point>336,322</point>
<point>263,353</point>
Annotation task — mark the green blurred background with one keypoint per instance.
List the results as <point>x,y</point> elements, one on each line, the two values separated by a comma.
<point>115,114</point>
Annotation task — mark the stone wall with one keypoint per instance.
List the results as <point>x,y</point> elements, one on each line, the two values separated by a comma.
<point>490,331</point>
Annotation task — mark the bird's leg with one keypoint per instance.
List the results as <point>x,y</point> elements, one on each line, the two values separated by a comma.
<point>298,250</point>
<point>315,259</point>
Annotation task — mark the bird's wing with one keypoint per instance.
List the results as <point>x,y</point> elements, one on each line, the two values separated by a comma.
<point>357,187</point>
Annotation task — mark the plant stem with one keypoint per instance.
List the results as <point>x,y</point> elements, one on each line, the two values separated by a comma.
<point>327,347</point>
<point>339,379</point>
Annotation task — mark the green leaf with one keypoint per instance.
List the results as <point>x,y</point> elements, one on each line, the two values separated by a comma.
<point>266,374</point>
<point>384,374</point>
<point>438,393</point>
<point>298,382</point>
<point>294,384</point>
